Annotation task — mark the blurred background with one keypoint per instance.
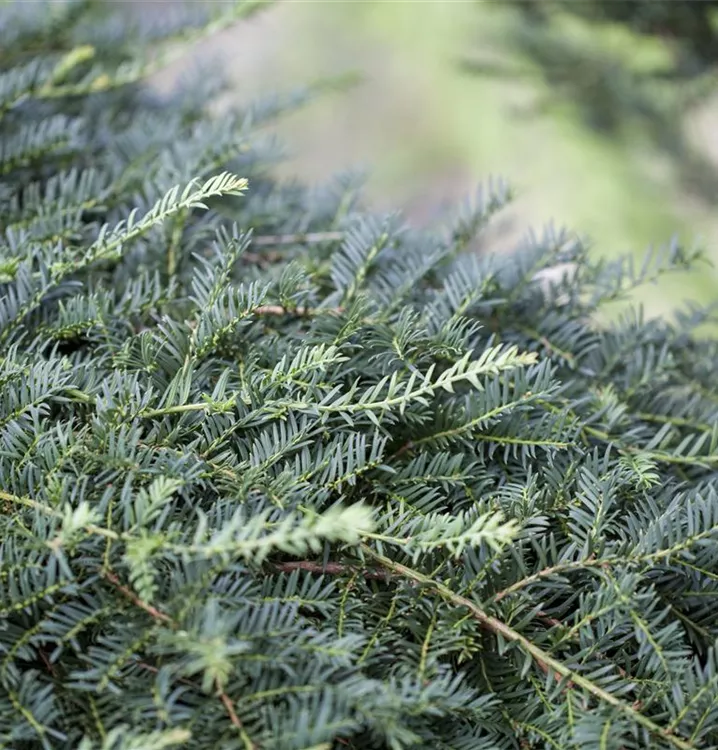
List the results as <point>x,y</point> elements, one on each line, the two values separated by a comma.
<point>603,116</point>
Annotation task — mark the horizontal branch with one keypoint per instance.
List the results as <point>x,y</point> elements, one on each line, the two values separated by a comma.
<point>301,312</point>
<point>298,238</point>
<point>279,310</point>
<point>330,568</point>
<point>546,572</point>
<point>263,260</point>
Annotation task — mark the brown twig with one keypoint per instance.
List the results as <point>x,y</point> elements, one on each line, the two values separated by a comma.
<point>234,719</point>
<point>298,238</point>
<point>552,621</point>
<point>160,616</point>
<point>301,312</point>
<point>227,701</point>
<point>331,568</point>
<point>153,612</point>
<point>49,666</point>
<point>262,259</point>
<point>279,310</point>
<point>155,670</point>
<point>404,449</point>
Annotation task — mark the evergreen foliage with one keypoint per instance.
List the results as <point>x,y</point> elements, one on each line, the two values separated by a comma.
<point>276,472</point>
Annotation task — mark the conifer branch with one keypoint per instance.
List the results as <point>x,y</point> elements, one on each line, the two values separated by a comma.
<point>188,443</point>
<point>329,568</point>
<point>165,52</point>
<point>543,659</point>
<point>234,719</point>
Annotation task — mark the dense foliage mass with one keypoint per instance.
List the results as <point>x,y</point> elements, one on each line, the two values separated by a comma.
<point>276,472</point>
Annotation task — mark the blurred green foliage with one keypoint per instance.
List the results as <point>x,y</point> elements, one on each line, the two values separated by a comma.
<point>690,24</point>
<point>630,69</point>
